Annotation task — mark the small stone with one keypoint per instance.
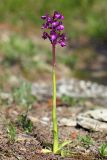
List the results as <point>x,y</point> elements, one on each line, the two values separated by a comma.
<point>44,122</point>
<point>33,119</point>
<point>46,119</point>
<point>67,122</point>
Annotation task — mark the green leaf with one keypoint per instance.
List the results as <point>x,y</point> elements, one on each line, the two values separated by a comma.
<point>64,144</point>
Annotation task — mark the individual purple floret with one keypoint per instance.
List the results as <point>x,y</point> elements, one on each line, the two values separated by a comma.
<point>53,29</point>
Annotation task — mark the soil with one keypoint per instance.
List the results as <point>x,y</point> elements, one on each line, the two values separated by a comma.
<point>28,146</point>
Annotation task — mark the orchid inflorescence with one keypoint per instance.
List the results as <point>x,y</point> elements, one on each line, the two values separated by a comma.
<point>54,27</point>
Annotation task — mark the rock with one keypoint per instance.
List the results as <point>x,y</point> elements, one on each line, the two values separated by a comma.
<point>41,91</point>
<point>98,114</point>
<point>95,120</point>
<point>76,88</point>
<point>71,87</point>
<point>67,122</point>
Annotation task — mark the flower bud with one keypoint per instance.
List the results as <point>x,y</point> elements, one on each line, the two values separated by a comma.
<point>43,17</point>
<point>60,27</point>
<point>54,24</point>
<point>53,37</point>
<point>63,44</point>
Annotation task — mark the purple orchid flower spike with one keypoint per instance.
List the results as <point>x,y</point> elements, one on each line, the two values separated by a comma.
<point>55,26</point>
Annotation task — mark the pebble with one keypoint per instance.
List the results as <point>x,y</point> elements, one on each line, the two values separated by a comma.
<point>33,119</point>
<point>46,119</point>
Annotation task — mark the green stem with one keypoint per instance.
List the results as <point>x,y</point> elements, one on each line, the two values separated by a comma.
<point>54,116</point>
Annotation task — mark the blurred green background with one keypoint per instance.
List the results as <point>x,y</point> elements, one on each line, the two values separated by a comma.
<point>24,53</point>
<point>81,16</point>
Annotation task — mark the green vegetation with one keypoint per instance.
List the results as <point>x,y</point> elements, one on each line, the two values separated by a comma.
<point>69,60</point>
<point>16,48</point>
<point>86,140</point>
<point>61,150</point>
<point>11,131</point>
<point>86,17</point>
<point>25,123</point>
<point>30,57</point>
<point>22,95</point>
<point>23,52</point>
<point>71,101</point>
<point>103,150</point>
